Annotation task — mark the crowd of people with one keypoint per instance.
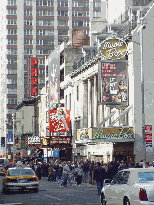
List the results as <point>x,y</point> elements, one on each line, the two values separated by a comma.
<point>86,171</point>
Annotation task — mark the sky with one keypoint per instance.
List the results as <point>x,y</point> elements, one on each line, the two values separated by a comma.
<point>115,8</point>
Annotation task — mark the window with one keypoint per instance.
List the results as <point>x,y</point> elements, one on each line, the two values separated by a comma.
<point>28,22</point>
<point>63,3</point>
<point>41,71</point>
<point>80,23</point>
<point>49,3</point>
<point>28,32</point>
<point>12,81</point>
<point>77,93</point>
<point>86,32</point>
<point>28,51</point>
<point>12,22</point>
<point>12,51</point>
<point>97,4</point>
<point>146,176</point>
<point>62,33</point>
<point>62,23</point>
<point>11,2</point>
<point>12,41</point>
<point>42,81</point>
<point>39,42</point>
<point>41,52</point>
<point>28,12</point>
<point>11,12</point>
<point>28,42</point>
<point>9,61</point>
<point>11,31</point>
<point>97,14</point>
<point>121,177</point>
<point>26,91</point>
<point>28,2</point>
<point>26,61</point>
<point>26,81</point>
<point>62,13</point>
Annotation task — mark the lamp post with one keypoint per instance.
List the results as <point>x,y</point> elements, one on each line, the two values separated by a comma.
<point>13,116</point>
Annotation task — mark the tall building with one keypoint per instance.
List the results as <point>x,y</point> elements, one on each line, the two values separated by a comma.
<point>35,28</point>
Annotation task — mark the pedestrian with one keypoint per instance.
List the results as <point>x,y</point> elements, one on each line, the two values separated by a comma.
<point>39,171</point>
<point>79,174</point>
<point>85,170</point>
<point>50,173</point>
<point>99,176</point>
<point>66,174</point>
<point>56,173</point>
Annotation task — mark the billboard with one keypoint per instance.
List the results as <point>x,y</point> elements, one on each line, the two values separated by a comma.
<point>113,85</point>
<point>32,77</point>
<point>59,120</point>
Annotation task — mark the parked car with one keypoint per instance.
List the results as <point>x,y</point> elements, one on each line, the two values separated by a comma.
<point>20,178</point>
<point>133,186</point>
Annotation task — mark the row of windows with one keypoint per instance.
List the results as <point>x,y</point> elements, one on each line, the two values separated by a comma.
<point>51,3</point>
<point>80,23</point>
<point>44,3</point>
<point>28,2</point>
<point>28,51</point>
<point>12,71</point>
<point>40,81</point>
<point>45,32</point>
<point>45,42</point>
<point>11,31</point>
<point>12,51</point>
<point>12,91</point>
<point>80,13</point>
<point>11,61</point>
<point>28,22</point>
<point>80,4</point>
<point>12,41</point>
<point>28,32</point>
<point>43,52</point>
<point>12,81</point>
<point>28,12</point>
<point>12,22</point>
<point>41,61</point>
<point>97,14</point>
<point>11,2</point>
<point>44,23</point>
<point>12,101</point>
<point>28,42</point>
<point>44,13</point>
<point>11,11</point>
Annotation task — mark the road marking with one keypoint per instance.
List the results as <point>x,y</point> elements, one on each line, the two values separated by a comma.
<point>53,197</point>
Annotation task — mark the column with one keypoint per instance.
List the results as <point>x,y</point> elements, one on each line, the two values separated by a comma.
<point>89,103</point>
<point>95,102</point>
<point>84,103</point>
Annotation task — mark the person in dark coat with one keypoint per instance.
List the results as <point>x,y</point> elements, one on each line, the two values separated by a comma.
<point>99,176</point>
<point>39,171</point>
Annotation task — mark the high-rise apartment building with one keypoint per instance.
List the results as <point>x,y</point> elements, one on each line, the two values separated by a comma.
<point>35,28</point>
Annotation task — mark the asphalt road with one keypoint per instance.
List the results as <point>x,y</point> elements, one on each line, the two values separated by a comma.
<point>51,193</point>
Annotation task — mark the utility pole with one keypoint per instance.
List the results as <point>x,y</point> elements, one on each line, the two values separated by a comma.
<point>13,116</point>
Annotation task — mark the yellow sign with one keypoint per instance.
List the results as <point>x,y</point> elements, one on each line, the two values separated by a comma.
<point>113,133</point>
<point>84,133</point>
<point>113,48</point>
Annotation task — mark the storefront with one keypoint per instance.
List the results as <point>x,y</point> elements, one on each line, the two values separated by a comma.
<point>105,144</point>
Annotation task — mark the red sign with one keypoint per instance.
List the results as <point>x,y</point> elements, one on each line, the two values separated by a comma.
<point>148,127</point>
<point>29,78</point>
<point>34,77</point>
<point>59,120</point>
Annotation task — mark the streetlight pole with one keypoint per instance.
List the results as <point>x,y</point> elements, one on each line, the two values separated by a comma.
<point>142,87</point>
<point>13,116</point>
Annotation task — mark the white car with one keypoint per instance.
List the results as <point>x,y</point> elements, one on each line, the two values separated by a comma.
<point>133,186</point>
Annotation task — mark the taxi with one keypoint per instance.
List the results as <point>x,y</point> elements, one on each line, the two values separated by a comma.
<point>20,178</point>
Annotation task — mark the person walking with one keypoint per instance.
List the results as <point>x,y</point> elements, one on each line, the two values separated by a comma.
<point>79,174</point>
<point>66,174</point>
<point>99,176</point>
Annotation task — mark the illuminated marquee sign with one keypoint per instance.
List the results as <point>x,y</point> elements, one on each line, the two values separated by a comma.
<point>60,141</point>
<point>34,77</point>
<point>33,140</point>
<point>29,77</point>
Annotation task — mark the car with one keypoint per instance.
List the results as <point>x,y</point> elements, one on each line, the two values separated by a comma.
<point>133,186</point>
<point>20,178</point>
<point>2,170</point>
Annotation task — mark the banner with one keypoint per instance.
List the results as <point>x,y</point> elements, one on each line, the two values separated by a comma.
<point>59,120</point>
<point>34,76</point>
<point>10,137</point>
<point>148,138</point>
<point>113,82</point>
<point>2,141</point>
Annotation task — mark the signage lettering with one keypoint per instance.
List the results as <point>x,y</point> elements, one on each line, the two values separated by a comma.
<point>125,133</point>
<point>34,77</point>
<point>34,140</point>
<point>114,48</point>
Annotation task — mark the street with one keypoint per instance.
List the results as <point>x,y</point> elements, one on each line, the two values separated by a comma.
<point>51,193</point>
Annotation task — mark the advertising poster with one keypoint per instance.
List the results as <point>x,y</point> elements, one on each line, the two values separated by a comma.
<point>10,137</point>
<point>54,91</point>
<point>2,141</point>
<point>59,120</point>
<point>114,82</point>
<point>148,138</point>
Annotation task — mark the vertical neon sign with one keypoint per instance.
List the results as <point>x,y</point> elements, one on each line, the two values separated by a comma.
<point>34,77</point>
